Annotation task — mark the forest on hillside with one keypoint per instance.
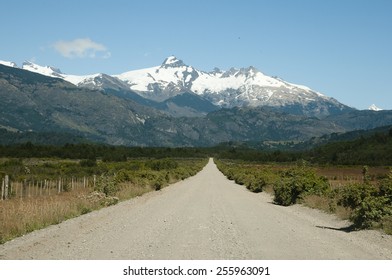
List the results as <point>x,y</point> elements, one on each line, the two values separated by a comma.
<point>374,149</point>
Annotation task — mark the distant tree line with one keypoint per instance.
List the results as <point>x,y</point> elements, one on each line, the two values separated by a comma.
<point>97,151</point>
<point>373,150</point>
<point>370,150</point>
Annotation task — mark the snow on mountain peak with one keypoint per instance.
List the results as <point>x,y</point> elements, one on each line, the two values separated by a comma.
<point>43,70</point>
<point>373,107</point>
<point>233,87</point>
<point>87,80</point>
<point>172,61</point>
<point>8,63</point>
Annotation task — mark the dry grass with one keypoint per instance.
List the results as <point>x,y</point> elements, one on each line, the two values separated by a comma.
<point>387,225</point>
<point>339,176</point>
<point>319,202</point>
<point>129,190</point>
<point>326,204</point>
<point>40,207</point>
<point>20,216</point>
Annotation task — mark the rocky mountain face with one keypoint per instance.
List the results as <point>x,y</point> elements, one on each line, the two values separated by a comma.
<point>33,102</point>
<point>115,114</point>
<point>228,89</point>
<point>223,89</point>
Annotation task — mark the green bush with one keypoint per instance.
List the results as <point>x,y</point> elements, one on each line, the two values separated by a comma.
<point>284,193</point>
<point>386,224</point>
<point>371,211</point>
<point>109,200</point>
<point>386,187</point>
<point>354,194</point>
<point>298,182</point>
<point>122,176</point>
<point>114,157</point>
<point>88,163</point>
<point>240,178</point>
<point>106,184</point>
<point>256,184</point>
<point>253,177</point>
<point>158,184</point>
<point>371,206</point>
<point>162,164</point>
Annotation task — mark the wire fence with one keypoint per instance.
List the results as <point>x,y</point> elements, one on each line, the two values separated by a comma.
<point>35,188</point>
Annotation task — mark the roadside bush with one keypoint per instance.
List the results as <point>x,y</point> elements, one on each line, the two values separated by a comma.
<point>284,193</point>
<point>109,200</point>
<point>122,176</point>
<point>106,184</point>
<point>240,178</point>
<point>386,187</point>
<point>298,182</point>
<point>371,206</point>
<point>371,211</point>
<point>254,178</point>
<point>386,224</point>
<point>256,184</point>
<point>162,164</point>
<point>158,185</point>
<point>354,194</point>
<point>229,172</point>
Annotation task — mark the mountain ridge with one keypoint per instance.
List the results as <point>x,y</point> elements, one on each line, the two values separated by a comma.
<point>32,102</point>
<point>224,89</point>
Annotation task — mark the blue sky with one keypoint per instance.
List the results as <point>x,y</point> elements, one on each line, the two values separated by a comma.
<point>341,48</point>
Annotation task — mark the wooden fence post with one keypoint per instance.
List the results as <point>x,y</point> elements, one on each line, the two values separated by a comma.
<point>59,186</point>
<point>2,189</point>
<point>22,191</point>
<point>6,183</point>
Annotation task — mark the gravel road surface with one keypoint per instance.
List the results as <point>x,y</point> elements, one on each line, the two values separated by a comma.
<point>203,217</point>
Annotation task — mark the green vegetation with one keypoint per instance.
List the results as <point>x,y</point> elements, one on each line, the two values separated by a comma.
<point>255,177</point>
<point>373,150</point>
<point>109,174</point>
<point>367,202</point>
<point>98,151</point>
<point>371,205</point>
<point>298,182</point>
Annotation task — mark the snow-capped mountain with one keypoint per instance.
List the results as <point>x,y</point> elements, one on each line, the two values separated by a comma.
<point>373,107</point>
<point>94,81</point>
<point>34,103</point>
<point>235,87</point>
<point>44,70</point>
<point>8,63</point>
<point>162,82</point>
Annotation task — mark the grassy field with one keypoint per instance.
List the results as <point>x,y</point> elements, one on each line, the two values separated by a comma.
<point>43,192</point>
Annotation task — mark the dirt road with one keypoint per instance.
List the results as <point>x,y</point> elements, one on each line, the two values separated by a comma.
<point>203,217</point>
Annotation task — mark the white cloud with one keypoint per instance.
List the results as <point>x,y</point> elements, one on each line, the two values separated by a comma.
<point>80,48</point>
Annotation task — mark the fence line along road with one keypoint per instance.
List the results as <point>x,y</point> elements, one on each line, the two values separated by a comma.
<point>44,187</point>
